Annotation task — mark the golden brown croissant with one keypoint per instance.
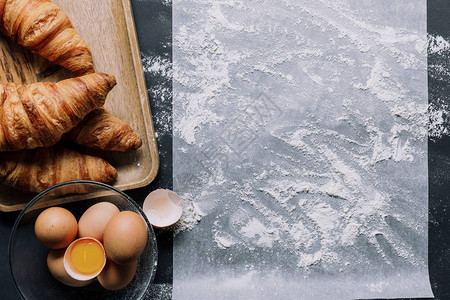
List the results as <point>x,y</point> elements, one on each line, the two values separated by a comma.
<point>38,114</point>
<point>37,169</point>
<point>41,27</point>
<point>101,130</point>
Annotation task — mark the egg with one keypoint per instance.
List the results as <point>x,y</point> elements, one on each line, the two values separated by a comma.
<point>84,258</point>
<point>56,227</point>
<point>125,237</point>
<point>55,263</point>
<point>115,277</point>
<point>93,221</point>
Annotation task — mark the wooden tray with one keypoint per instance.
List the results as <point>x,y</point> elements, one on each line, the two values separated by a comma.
<point>108,28</point>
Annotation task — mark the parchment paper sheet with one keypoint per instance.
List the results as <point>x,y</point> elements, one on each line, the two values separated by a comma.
<point>300,149</point>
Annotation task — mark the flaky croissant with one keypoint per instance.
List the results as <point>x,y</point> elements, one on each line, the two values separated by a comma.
<point>38,169</point>
<point>37,115</point>
<point>41,27</point>
<point>101,130</point>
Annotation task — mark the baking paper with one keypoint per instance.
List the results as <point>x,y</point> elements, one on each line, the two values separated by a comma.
<point>300,149</point>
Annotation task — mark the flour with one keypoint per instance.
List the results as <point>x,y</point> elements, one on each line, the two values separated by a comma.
<point>223,241</point>
<point>160,91</point>
<point>164,2</point>
<point>196,107</point>
<point>439,120</point>
<point>192,214</point>
<point>304,137</point>
<point>254,229</point>
<point>438,110</point>
<point>161,291</point>
<point>437,44</point>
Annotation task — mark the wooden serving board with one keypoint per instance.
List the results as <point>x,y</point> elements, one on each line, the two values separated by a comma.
<point>107,26</point>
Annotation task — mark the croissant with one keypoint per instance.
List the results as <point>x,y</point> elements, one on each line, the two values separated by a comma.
<point>38,114</point>
<point>41,27</point>
<point>101,130</point>
<point>38,169</point>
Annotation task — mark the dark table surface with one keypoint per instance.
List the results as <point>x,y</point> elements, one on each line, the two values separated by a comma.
<point>153,20</point>
<point>439,156</point>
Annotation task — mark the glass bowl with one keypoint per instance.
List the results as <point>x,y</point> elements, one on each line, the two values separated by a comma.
<point>28,257</point>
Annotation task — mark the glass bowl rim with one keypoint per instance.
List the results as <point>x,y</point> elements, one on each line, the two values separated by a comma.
<point>101,184</point>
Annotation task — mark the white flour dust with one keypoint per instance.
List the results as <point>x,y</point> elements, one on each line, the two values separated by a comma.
<point>439,110</point>
<point>159,69</point>
<point>302,139</point>
<point>191,215</point>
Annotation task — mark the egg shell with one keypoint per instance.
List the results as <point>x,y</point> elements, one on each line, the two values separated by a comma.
<point>115,277</point>
<point>55,263</point>
<point>125,237</point>
<point>163,208</point>
<point>94,220</point>
<point>56,227</point>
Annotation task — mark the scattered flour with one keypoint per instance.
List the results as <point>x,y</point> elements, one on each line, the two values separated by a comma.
<point>162,291</point>
<point>439,120</point>
<point>191,214</point>
<point>254,229</point>
<point>437,44</point>
<point>438,110</point>
<point>160,90</point>
<point>223,240</point>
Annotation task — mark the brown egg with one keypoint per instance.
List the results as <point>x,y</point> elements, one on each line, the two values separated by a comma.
<point>93,221</point>
<point>56,227</point>
<point>115,277</point>
<point>55,263</point>
<point>125,237</point>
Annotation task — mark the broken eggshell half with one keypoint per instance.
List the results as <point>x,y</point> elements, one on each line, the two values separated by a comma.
<point>163,208</point>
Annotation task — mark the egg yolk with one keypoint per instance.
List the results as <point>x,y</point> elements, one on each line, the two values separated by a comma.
<point>86,257</point>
